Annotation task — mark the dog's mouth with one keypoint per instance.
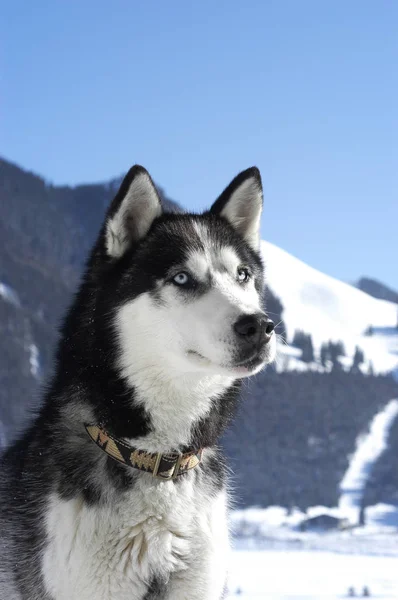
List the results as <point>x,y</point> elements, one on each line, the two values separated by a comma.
<point>252,362</point>
<point>199,356</point>
<point>250,365</point>
<point>242,367</point>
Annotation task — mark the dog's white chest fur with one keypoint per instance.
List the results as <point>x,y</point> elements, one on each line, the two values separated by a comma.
<point>158,530</point>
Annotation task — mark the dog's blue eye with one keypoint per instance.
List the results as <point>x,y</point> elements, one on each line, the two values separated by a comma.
<point>181,278</point>
<point>243,275</point>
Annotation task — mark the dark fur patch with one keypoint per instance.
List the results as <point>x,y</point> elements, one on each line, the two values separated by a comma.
<point>156,590</point>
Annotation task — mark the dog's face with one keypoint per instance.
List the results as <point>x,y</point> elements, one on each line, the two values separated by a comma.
<point>188,289</point>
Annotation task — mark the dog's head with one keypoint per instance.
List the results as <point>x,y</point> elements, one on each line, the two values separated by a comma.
<point>186,290</point>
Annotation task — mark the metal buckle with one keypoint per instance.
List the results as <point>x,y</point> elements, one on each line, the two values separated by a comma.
<point>177,467</point>
<point>157,463</point>
<point>174,473</point>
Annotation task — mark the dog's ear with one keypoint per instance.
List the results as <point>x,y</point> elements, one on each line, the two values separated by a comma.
<point>132,212</point>
<point>241,204</point>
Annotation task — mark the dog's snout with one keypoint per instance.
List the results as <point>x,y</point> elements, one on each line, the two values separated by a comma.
<point>254,328</point>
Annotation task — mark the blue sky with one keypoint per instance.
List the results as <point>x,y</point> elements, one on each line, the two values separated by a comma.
<point>197,91</point>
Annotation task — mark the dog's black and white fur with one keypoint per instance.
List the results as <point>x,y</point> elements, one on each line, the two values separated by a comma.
<point>167,321</point>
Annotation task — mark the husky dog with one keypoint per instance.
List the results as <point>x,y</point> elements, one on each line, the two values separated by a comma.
<point>118,490</point>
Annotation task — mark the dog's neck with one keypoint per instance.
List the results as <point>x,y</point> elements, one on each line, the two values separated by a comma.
<point>176,403</point>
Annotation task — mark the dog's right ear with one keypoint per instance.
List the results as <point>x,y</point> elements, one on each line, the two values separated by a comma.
<point>241,204</point>
<point>132,212</point>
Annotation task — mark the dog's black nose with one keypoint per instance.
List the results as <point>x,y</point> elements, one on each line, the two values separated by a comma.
<point>269,326</point>
<point>254,328</point>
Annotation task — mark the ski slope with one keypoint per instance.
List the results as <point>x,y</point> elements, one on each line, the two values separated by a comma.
<point>276,522</point>
<point>369,448</point>
<point>9,295</point>
<point>329,309</point>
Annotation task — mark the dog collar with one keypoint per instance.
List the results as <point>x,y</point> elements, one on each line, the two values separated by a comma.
<point>162,466</point>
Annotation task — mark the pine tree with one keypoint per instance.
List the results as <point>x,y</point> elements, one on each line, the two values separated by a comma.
<point>336,349</point>
<point>298,338</point>
<point>324,354</point>
<point>303,341</point>
<point>308,350</point>
<point>358,359</point>
<point>371,370</point>
<point>340,349</point>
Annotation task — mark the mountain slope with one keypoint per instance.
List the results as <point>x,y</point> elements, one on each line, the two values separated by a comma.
<point>329,309</point>
<point>377,289</point>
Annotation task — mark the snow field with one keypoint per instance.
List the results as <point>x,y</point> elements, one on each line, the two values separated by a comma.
<point>303,575</point>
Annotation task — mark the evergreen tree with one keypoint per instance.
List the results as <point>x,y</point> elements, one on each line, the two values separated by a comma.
<point>358,359</point>
<point>336,349</point>
<point>298,338</point>
<point>308,350</point>
<point>324,354</point>
<point>303,341</point>
<point>340,348</point>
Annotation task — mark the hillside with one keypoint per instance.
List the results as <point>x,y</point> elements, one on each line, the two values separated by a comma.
<point>377,289</point>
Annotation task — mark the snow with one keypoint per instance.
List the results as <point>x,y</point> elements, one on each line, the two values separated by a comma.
<point>34,360</point>
<point>305,575</point>
<point>275,526</point>
<point>9,295</point>
<point>277,561</point>
<point>369,448</point>
<point>329,309</point>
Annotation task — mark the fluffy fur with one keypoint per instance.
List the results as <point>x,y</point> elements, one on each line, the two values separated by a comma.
<point>168,319</point>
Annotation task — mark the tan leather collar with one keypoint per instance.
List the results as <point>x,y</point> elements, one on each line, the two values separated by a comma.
<point>162,466</point>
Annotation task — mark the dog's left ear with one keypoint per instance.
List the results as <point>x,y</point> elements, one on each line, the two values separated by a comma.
<point>241,204</point>
<point>132,212</point>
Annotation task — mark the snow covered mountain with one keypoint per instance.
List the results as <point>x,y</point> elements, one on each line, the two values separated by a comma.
<point>329,309</point>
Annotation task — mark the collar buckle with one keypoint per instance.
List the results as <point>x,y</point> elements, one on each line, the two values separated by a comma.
<point>177,467</point>
<point>172,474</point>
